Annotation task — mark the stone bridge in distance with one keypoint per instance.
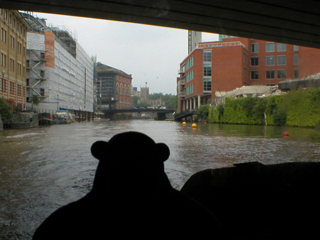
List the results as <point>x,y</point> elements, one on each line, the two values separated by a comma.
<point>161,113</point>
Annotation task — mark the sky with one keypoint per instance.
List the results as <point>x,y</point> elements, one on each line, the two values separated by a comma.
<point>151,54</point>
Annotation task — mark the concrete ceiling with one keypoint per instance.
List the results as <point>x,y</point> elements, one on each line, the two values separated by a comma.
<point>290,21</point>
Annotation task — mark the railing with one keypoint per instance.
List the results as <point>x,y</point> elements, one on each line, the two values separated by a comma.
<point>221,44</point>
<point>187,113</point>
<point>182,82</point>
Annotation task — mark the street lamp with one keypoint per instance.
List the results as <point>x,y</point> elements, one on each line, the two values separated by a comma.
<point>58,101</point>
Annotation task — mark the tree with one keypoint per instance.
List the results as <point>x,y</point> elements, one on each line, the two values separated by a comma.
<point>5,111</point>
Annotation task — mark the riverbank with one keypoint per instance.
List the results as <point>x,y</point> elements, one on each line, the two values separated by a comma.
<point>296,109</point>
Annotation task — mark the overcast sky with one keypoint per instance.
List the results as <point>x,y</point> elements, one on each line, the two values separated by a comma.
<point>151,54</point>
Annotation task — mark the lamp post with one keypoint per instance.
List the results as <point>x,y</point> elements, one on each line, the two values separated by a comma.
<point>58,102</point>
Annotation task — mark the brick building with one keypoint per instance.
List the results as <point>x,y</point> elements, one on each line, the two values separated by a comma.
<point>13,41</point>
<point>213,68</point>
<point>113,88</point>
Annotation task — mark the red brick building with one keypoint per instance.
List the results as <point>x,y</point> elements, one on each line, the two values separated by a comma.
<point>113,88</point>
<point>214,68</point>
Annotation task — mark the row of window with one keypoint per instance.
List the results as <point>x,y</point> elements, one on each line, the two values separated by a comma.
<point>190,76</point>
<point>12,21</point>
<point>271,47</point>
<point>13,42</point>
<point>271,74</point>
<point>13,87</point>
<point>190,63</point>
<point>207,86</point>
<point>190,89</point>
<point>271,60</point>
<point>12,65</point>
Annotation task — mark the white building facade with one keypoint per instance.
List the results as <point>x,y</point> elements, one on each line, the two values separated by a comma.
<point>59,74</point>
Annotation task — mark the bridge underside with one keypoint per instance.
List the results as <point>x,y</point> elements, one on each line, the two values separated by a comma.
<point>160,114</point>
<point>294,22</point>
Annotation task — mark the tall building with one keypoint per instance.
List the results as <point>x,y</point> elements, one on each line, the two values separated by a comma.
<point>113,88</point>
<point>194,38</point>
<point>13,45</point>
<point>59,71</point>
<point>213,68</point>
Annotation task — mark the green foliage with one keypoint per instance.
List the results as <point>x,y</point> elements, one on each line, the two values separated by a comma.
<point>300,108</point>
<point>203,112</point>
<point>35,99</point>
<point>169,99</point>
<point>5,111</point>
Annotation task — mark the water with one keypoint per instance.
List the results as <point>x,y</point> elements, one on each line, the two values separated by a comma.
<point>44,168</point>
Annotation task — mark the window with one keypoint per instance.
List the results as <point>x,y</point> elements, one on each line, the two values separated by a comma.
<point>270,61</point>
<point>254,75</point>
<point>282,73</point>
<point>255,47</point>
<point>255,61</point>
<point>207,85</point>
<point>296,73</point>
<point>296,48</point>
<point>11,64</point>
<point>3,60</point>
<point>207,56</point>
<point>19,90</point>
<point>282,60</point>
<point>190,63</point>
<point>282,47</point>
<point>12,41</point>
<point>190,76</point>
<point>19,68</point>
<point>19,47</point>
<point>270,74</point>
<point>190,89</point>
<point>2,84</point>
<point>207,71</point>
<point>296,59</point>
<point>270,47</point>
<point>3,35</point>
<point>12,90</point>
<point>42,92</point>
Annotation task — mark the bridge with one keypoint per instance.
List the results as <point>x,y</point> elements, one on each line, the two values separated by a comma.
<point>184,114</point>
<point>161,113</point>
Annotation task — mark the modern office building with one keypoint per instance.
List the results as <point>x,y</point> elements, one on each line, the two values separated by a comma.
<point>113,88</point>
<point>59,71</point>
<point>13,45</point>
<point>214,68</point>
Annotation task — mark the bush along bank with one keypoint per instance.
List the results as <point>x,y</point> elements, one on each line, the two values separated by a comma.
<point>299,109</point>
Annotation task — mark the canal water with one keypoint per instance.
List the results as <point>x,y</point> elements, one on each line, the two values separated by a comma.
<point>44,168</point>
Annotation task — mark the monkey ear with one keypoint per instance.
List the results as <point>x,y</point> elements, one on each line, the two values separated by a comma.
<point>163,151</point>
<point>99,149</point>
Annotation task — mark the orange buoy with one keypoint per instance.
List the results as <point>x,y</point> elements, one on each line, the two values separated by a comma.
<point>286,134</point>
<point>194,125</point>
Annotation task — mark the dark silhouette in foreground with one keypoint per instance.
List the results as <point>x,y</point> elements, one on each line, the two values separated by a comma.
<point>256,201</point>
<point>131,197</point>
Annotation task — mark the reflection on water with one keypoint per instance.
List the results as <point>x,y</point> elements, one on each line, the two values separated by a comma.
<point>46,167</point>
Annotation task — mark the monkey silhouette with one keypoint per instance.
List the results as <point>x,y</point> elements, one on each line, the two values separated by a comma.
<point>131,197</point>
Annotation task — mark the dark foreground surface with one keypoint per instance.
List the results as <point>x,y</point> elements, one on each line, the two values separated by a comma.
<point>44,168</point>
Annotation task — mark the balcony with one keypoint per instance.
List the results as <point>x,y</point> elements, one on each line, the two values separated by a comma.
<point>182,82</point>
<point>182,93</point>
<point>181,70</point>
